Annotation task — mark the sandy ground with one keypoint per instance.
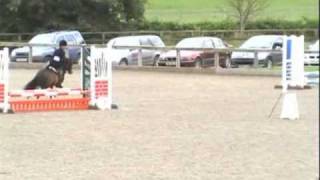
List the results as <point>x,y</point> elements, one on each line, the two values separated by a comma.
<point>168,126</point>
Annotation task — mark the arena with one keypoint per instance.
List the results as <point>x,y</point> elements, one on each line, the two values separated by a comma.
<point>167,126</point>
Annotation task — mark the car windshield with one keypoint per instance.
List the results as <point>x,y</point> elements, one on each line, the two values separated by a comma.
<point>42,39</point>
<point>259,42</point>
<point>191,43</point>
<point>156,41</point>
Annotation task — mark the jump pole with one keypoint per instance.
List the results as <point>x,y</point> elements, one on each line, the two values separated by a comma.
<point>97,95</point>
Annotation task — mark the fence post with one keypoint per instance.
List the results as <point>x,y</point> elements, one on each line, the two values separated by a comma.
<point>30,54</point>
<point>161,34</point>
<point>140,64</point>
<point>157,62</point>
<point>192,33</point>
<point>103,38</point>
<point>216,60</point>
<point>178,59</point>
<point>255,60</point>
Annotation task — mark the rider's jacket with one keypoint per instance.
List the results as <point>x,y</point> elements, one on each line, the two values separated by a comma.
<point>58,59</point>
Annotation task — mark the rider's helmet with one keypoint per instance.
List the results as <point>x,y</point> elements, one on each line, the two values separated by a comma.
<point>63,43</point>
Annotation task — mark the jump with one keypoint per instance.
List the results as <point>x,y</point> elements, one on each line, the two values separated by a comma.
<point>53,75</point>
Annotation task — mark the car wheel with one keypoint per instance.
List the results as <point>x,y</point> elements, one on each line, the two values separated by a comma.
<point>123,62</point>
<point>198,63</point>
<point>155,60</point>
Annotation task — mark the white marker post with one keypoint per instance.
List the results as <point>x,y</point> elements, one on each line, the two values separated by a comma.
<point>292,74</point>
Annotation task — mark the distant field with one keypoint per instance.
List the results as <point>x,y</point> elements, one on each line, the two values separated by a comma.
<point>215,10</point>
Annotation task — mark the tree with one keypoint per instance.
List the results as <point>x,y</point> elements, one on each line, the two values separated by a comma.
<point>244,10</point>
<point>8,10</point>
<point>133,9</point>
<point>84,15</point>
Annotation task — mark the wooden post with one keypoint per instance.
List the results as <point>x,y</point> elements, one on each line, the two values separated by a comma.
<point>161,34</point>
<point>140,64</point>
<point>157,62</point>
<point>19,38</point>
<point>255,60</point>
<point>103,38</point>
<point>178,59</point>
<point>30,54</point>
<point>216,60</point>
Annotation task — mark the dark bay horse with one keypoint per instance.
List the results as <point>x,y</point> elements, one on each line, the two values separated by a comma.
<point>49,78</point>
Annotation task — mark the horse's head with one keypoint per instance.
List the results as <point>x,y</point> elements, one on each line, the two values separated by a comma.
<point>68,65</point>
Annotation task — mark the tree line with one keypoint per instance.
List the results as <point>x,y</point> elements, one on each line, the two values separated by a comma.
<point>124,15</point>
<point>84,15</point>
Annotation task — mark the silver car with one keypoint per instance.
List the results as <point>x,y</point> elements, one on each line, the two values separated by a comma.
<point>312,58</point>
<point>120,56</point>
<point>44,54</point>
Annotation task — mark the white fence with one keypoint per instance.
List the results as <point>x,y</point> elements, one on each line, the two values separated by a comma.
<point>140,48</point>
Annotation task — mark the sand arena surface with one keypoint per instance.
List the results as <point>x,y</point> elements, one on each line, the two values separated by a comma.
<point>168,126</point>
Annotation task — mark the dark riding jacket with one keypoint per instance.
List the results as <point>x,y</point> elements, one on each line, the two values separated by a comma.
<point>58,59</point>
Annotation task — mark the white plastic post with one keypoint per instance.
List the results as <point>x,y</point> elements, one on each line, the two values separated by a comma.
<point>299,62</point>
<point>101,73</point>
<point>285,65</point>
<point>110,78</point>
<point>92,58</point>
<point>292,72</point>
<point>290,110</point>
<point>293,61</point>
<point>81,63</point>
<point>4,78</point>
<point>6,74</point>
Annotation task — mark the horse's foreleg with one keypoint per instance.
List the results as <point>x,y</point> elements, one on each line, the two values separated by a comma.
<point>60,80</point>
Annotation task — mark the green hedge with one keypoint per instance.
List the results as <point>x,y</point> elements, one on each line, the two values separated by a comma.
<point>304,23</point>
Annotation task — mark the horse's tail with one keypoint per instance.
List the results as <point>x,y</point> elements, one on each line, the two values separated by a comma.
<point>31,85</point>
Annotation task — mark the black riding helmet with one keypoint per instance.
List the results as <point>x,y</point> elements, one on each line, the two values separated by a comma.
<point>63,43</point>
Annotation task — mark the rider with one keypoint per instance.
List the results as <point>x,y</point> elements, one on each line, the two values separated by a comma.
<point>56,64</point>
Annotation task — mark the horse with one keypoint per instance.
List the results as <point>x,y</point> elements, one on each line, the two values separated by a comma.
<point>49,77</point>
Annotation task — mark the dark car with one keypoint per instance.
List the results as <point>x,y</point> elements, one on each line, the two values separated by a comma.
<point>265,42</point>
<point>44,53</point>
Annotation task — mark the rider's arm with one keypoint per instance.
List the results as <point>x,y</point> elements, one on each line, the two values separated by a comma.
<point>58,58</point>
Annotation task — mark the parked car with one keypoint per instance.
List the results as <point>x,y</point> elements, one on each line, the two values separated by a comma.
<point>130,56</point>
<point>312,58</point>
<point>196,58</point>
<point>44,54</point>
<point>267,42</point>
